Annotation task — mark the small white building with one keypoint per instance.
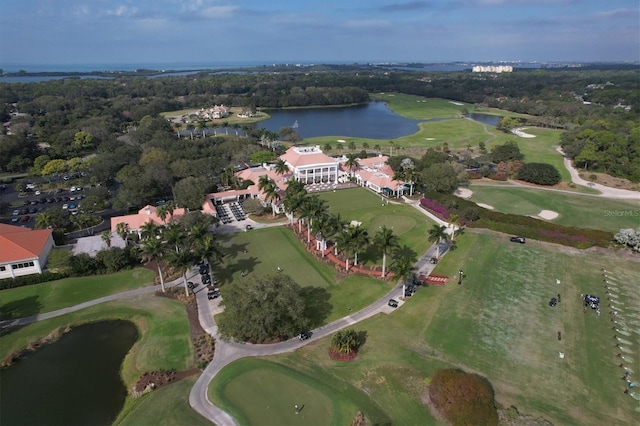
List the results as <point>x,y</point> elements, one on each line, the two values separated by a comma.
<point>23,251</point>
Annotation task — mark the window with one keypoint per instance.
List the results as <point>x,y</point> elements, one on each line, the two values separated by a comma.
<point>22,265</point>
<point>2,268</point>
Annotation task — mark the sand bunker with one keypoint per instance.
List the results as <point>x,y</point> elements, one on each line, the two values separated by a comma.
<point>519,132</point>
<point>548,214</point>
<point>456,103</point>
<point>485,206</point>
<point>464,192</point>
<point>430,139</point>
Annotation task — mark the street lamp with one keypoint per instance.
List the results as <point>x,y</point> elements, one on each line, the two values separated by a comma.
<point>460,275</point>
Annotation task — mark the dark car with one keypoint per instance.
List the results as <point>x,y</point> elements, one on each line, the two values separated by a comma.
<point>249,227</point>
<point>203,269</point>
<point>305,335</point>
<point>520,240</point>
<point>192,285</point>
<point>553,302</point>
<point>213,294</point>
<point>25,218</point>
<point>393,303</point>
<point>206,279</point>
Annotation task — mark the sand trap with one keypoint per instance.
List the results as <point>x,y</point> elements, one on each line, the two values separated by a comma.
<point>485,206</point>
<point>464,192</point>
<point>430,139</point>
<point>548,214</point>
<point>519,132</point>
<point>456,103</point>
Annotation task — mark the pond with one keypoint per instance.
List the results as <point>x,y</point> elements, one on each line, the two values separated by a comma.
<point>488,119</point>
<point>74,381</point>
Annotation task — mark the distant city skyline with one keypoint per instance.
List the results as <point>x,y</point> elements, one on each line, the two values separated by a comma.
<point>320,31</point>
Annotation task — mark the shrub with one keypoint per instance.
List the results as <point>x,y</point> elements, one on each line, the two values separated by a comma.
<point>83,264</point>
<point>31,279</point>
<point>463,398</point>
<point>539,173</point>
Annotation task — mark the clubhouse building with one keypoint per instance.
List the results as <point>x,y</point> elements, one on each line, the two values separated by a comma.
<point>23,251</point>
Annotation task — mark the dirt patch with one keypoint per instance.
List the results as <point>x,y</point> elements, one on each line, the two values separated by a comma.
<point>610,181</point>
<point>342,357</point>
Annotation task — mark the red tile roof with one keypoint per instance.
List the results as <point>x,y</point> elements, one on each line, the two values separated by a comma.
<point>144,215</point>
<point>18,243</point>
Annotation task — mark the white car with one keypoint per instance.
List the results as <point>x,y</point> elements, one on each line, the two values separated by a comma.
<point>65,206</point>
<point>73,189</point>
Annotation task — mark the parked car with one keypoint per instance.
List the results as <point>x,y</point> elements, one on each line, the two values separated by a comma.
<point>213,294</point>
<point>249,227</point>
<point>65,206</point>
<point>206,279</point>
<point>25,218</point>
<point>520,240</point>
<point>305,335</point>
<point>203,269</point>
<point>553,302</point>
<point>192,285</point>
<point>16,212</point>
<point>393,303</point>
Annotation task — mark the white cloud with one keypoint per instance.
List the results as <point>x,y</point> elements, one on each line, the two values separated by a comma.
<point>121,11</point>
<point>219,11</point>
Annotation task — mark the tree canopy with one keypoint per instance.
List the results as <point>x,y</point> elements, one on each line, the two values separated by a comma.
<point>263,308</point>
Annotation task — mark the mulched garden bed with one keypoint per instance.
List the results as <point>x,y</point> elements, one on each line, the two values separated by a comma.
<point>343,357</point>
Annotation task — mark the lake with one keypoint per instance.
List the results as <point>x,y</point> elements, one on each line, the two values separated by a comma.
<point>74,381</point>
<point>373,120</point>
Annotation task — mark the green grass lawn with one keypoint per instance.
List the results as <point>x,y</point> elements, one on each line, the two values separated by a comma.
<point>46,297</point>
<point>497,324</point>
<point>168,405</point>
<point>575,210</point>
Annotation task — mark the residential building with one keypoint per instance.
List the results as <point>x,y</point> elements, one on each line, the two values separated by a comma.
<point>23,251</point>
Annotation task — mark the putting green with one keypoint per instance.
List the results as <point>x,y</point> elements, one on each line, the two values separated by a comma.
<point>261,392</point>
<point>400,224</point>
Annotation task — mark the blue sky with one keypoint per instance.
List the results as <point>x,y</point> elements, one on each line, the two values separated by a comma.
<point>267,31</point>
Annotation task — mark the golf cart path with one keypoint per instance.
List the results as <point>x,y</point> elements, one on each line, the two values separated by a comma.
<point>606,192</point>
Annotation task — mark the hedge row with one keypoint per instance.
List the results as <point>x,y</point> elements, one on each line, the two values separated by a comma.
<point>31,279</point>
<point>523,226</point>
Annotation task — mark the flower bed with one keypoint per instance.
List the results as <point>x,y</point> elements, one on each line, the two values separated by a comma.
<point>343,357</point>
<point>435,208</point>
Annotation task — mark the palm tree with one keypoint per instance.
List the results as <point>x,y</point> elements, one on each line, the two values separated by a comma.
<point>352,162</point>
<point>360,240</point>
<point>174,235</point>
<point>404,259</point>
<point>313,207</point>
<point>207,248</point>
<point>181,262</point>
<point>225,124</point>
<point>236,127</point>
<point>198,232</point>
<point>281,167</point>
<point>45,220</point>
<point>392,145</point>
<point>352,146</point>
<point>409,177</point>
<point>344,245</point>
<point>106,237</point>
<point>153,251</point>
<point>270,191</point>
<point>365,146</point>
<point>386,241</point>
<point>123,229</point>
<point>377,147</point>
<point>293,202</point>
<point>345,341</point>
<point>437,233</point>
<point>162,212</point>
<point>148,231</point>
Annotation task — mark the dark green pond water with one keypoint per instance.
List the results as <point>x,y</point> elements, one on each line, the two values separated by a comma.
<point>74,381</point>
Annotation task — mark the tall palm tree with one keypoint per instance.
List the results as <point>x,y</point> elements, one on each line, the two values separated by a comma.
<point>352,146</point>
<point>351,163</point>
<point>198,232</point>
<point>404,259</point>
<point>293,202</point>
<point>337,225</point>
<point>174,235</point>
<point>344,245</point>
<point>207,248</point>
<point>410,175</point>
<point>154,250</point>
<point>387,241</point>
<point>281,167</point>
<point>313,207</point>
<point>181,262</point>
<point>225,124</point>
<point>360,240</point>
<point>437,233</point>
<point>123,229</point>
<point>162,212</point>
